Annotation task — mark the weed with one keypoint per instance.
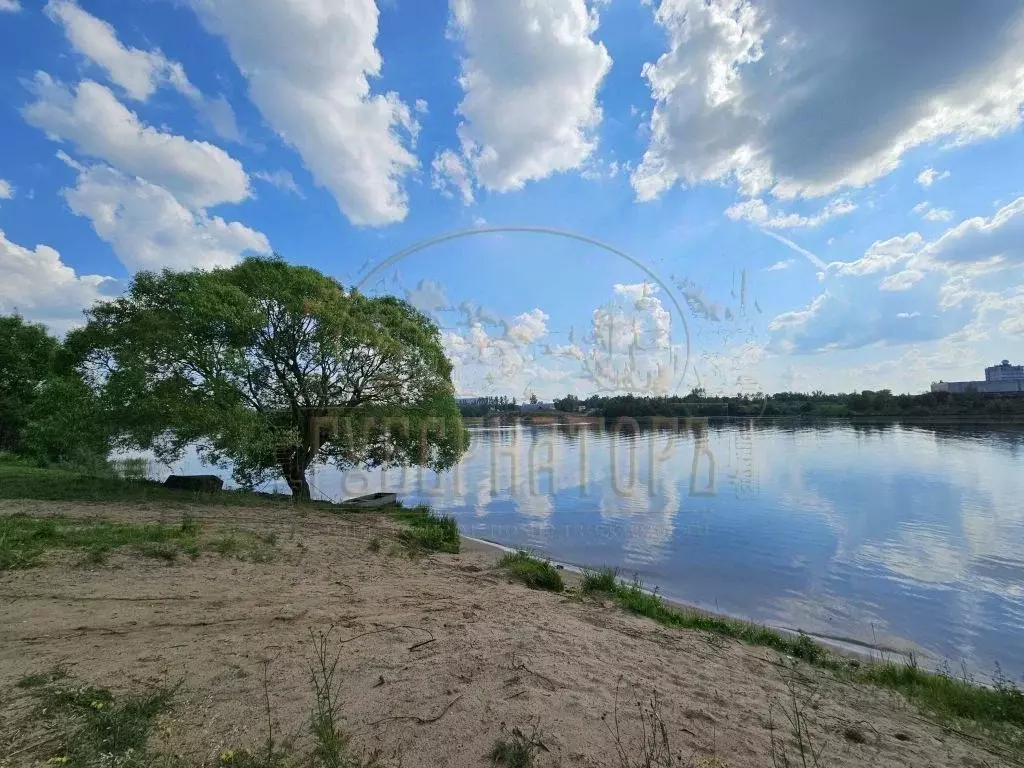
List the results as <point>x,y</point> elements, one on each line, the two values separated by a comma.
<point>517,750</point>
<point>270,539</point>
<point>534,573</point>
<point>798,709</point>
<point>330,743</point>
<point>603,581</point>
<point>189,525</point>
<point>161,550</point>
<point>652,743</point>
<point>225,544</point>
<point>373,545</point>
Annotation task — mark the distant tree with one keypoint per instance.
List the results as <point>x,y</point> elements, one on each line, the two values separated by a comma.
<point>67,424</point>
<point>27,354</point>
<point>272,367</point>
<point>533,398</point>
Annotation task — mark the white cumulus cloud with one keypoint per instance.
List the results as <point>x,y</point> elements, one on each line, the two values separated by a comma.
<point>9,6</point>
<point>449,171</point>
<point>6,190</point>
<point>149,229</point>
<point>311,81</point>
<point>139,73</point>
<point>799,98</point>
<point>530,75</point>
<point>39,285</point>
<point>756,212</point>
<point>929,176</point>
<point>99,125</point>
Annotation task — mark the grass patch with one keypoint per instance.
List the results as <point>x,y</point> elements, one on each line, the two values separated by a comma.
<point>426,531</point>
<point>531,571</point>
<point>999,709</point>
<point>99,729</point>
<point>373,545</point>
<point>21,479</point>
<point>24,539</point>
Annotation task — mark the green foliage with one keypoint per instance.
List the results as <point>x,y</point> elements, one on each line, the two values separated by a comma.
<point>271,366</point>
<point>27,355</point>
<point>67,425</point>
<point>531,571</point>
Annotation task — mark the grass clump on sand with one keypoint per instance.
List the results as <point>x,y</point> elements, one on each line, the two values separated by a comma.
<point>516,750</point>
<point>531,571</point>
<point>427,532</point>
<point>601,581</point>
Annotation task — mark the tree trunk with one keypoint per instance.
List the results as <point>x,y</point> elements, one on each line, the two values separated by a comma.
<point>294,471</point>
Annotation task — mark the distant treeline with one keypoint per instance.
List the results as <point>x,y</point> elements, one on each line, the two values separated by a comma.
<point>487,406</point>
<point>882,403</point>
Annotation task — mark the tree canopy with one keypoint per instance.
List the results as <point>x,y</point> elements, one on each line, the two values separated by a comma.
<point>272,367</point>
<point>27,355</point>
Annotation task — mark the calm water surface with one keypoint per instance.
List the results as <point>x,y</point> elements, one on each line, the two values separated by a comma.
<point>893,536</point>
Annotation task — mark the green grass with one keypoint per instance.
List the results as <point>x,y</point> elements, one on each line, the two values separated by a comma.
<point>21,479</point>
<point>998,709</point>
<point>600,581</point>
<point>996,712</point>
<point>100,729</point>
<point>531,571</point>
<point>427,531</point>
<point>24,539</point>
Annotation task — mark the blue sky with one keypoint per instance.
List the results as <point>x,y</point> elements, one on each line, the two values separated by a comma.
<point>821,195</point>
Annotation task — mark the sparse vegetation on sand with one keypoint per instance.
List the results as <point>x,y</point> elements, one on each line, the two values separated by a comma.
<point>25,539</point>
<point>532,571</point>
<point>997,710</point>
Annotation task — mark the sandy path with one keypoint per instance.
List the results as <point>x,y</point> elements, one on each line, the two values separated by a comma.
<point>501,656</point>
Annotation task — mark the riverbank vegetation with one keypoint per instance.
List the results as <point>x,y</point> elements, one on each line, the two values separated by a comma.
<point>995,710</point>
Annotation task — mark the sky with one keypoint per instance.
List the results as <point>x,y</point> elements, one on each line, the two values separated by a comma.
<point>586,197</point>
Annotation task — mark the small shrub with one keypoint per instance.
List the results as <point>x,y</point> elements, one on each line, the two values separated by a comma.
<point>534,573</point>
<point>373,545</point>
<point>189,525</point>
<point>428,532</point>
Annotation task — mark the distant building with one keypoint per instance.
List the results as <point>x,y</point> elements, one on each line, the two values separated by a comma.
<point>1002,379</point>
<point>1004,372</point>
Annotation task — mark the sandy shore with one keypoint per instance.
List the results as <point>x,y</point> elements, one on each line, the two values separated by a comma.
<point>439,657</point>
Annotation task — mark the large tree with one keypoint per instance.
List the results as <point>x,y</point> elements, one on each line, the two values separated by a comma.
<point>272,367</point>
